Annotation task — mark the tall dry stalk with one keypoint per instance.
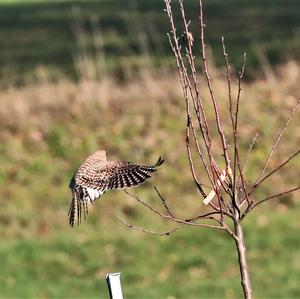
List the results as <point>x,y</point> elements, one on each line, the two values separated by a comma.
<point>229,198</point>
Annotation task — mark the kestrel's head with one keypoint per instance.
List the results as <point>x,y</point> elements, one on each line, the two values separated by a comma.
<point>101,155</point>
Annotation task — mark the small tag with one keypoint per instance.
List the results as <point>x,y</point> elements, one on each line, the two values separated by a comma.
<point>212,193</point>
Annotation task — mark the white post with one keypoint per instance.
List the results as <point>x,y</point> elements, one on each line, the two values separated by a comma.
<point>114,285</point>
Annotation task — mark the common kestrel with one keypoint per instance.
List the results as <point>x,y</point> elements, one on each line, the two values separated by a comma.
<point>97,175</point>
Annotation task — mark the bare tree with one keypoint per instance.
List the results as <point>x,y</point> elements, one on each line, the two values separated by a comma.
<point>229,197</point>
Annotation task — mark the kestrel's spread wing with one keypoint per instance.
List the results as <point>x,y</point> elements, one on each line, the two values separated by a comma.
<point>97,175</point>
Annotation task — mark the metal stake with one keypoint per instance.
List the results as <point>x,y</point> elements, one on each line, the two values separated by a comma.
<point>114,285</point>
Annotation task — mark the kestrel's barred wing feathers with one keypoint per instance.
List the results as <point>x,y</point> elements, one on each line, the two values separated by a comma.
<point>127,174</point>
<point>115,175</point>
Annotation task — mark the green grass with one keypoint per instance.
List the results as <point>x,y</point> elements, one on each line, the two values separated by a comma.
<point>47,33</point>
<point>193,263</point>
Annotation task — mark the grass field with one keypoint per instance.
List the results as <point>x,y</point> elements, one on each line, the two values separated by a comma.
<point>50,122</point>
<point>191,264</point>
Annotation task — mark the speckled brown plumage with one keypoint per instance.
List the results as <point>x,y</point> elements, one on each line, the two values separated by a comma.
<point>97,175</point>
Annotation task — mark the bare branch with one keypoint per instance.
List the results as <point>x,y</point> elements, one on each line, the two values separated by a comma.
<point>234,122</point>
<point>242,171</point>
<point>187,141</point>
<point>237,164</point>
<point>206,216</point>
<point>276,195</point>
<point>168,217</point>
<point>146,205</point>
<point>141,229</point>
<point>271,173</point>
<point>199,151</point>
<point>241,76</point>
<point>249,152</point>
<point>163,200</point>
<point>290,117</point>
<point>277,168</point>
<point>197,99</point>
<point>225,54</point>
<point>242,178</point>
<point>186,85</point>
<point>270,197</point>
<point>199,108</point>
<point>234,133</point>
<point>212,95</point>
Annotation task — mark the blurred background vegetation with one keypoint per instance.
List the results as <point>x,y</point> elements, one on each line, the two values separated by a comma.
<point>77,76</point>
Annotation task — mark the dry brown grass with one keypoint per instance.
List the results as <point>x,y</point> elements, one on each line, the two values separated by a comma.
<point>43,102</point>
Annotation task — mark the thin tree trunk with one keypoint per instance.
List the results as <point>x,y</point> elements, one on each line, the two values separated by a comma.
<point>242,258</point>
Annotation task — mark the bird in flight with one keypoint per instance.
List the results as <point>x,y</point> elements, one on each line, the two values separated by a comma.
<point>97,175</point>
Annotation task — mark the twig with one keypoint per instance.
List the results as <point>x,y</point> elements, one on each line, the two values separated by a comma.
<point>242,171</point>
<point>196,98</point>
<point>268,198</point>
<point>146,205</point>
<point>290,117</point>
<point>225,54</point>
<point>242,178</point>
<point>241,75</point>
<point>141,229</point>
<point>206,216</point>
<point>187,141</point>
<point>209,85</point>
<point>184,79</point>
<point>249,152</point>
<point>199,151</point>
<point>276,195</point>
<point>173,218</point>
<point>163,200</point>
<point>254,187</point>
<point>237,163</point>
<point>234,133</point>
<point>277,168</point>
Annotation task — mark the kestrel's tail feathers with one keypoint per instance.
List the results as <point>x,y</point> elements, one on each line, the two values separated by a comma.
<point>76,206</point>
<point>72,209</point>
